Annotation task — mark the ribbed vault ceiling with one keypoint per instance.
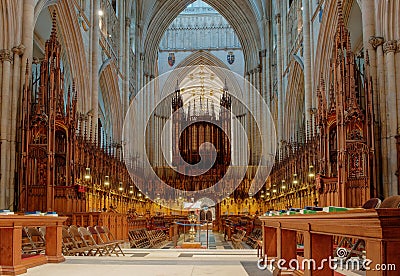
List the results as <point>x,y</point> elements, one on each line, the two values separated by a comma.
<point>241,15</point>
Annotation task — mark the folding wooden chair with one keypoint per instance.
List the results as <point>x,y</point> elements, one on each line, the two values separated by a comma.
<point>79,242</point>
<point>104,232</point>
<point>87,237</point>
<point>110,245</point>
<point>32,241</point>
<point>70,247</point>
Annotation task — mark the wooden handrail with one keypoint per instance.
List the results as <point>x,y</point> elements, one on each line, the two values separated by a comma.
<point>380,228</point>
<point>11,261</point>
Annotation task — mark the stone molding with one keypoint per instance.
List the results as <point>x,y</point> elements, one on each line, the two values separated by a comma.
<point>390,46</point>
<point>6,55</point>
<point>376,41</point>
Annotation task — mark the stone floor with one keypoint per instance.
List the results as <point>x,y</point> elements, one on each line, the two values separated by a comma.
<point>159,262</point>
<point>217,260</point>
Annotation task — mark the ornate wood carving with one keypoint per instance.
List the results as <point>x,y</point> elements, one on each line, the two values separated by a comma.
<point>341,151</point>
<point>63,167</point>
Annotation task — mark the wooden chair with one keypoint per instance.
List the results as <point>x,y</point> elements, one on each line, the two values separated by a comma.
<point>101,241</point>
<point>70,247</point>
<point>138,239</point>
<point>80,242</point>
<point>238,238</point>
<point>109,237</point>
<point>100,248</point>
<point>32,241</point>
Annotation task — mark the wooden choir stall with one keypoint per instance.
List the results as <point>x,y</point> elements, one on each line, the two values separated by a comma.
<point>378,228</point>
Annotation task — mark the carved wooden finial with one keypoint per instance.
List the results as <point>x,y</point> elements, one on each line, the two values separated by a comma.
<point>340,13</point>
<point>322,81</point>
<point>27,67</point>
<point>68,113</point>
<point>53,34</point>
<point>95,135</point>
<point>367,57</point>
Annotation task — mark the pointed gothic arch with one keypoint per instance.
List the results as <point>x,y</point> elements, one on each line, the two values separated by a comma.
<point>294,109</point>
<point>241,17</point>
<point>108,83</point>
<point>201,58</point>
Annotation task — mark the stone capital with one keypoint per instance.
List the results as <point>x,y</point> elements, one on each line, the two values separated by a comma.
<point>398,45</point>
<point>390,46</point>
<point>6,55</point>
<point>278,18</point>
<point>19,50</point>
<point>376,41</point>
<point>128,22</point>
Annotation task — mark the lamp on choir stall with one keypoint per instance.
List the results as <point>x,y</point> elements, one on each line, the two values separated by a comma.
<point>121,188</point>
<point>295,180</point>
<point>131,190</point>
<point>283,184</point>
<point>311,172</point>
<point>107,181</point>
<point>87,174</point>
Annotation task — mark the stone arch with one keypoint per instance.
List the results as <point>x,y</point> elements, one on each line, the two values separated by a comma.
<point>10,25</point>
<point>201,58</point>
<point>326,38</point>
<point>294,109</point>
<point>108,84</point>
<point>240,17</point>
<point>388,24</point>
<point>40,5</point>
<point>73,46</point>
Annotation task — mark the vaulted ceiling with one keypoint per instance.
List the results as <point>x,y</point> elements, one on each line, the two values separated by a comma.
<point>245,16</point>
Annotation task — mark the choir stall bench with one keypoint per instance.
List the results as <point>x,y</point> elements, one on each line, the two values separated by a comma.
<point>380,228</point>
<point>11,257</point>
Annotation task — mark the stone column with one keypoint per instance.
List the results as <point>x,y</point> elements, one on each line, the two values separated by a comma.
<point>15,115</point>
<point>251,124</point>
<point>140,72</point>
<point>248,115</point>
<point>397,77</point>
<point>279,76</point>
<point>307,62</point>
<point>5,197</point>
<point>390,48</point>
<point>126,63</point>
<point>95,66</point>
<point>27,35</point>
<point>368,22</point>
<point>380,92</point>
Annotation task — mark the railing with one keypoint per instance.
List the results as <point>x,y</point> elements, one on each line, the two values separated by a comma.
<point>117,223</point>
<point>294,26</point>
<point>110,30</point>
<point>379,229</point>
<point>11,259</point>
